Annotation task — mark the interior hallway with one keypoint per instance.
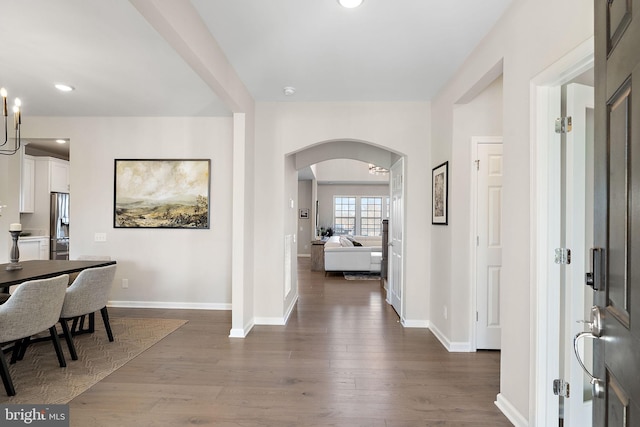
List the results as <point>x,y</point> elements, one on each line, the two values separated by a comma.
<point>342,360</point>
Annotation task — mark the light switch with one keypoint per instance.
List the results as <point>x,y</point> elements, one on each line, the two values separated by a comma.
<point>100,237</point>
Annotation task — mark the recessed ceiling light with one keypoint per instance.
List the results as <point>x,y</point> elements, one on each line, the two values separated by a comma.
<point>63,87</point>
<point>61,141</point>
<point>289,90</point>
<point>350,4</point>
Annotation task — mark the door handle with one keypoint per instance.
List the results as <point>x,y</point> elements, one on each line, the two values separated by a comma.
<point>595,332</point>
<point>597,385</point>
<point>595,325</point>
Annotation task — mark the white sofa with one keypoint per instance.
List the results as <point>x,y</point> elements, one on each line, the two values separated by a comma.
<point>342,254</point>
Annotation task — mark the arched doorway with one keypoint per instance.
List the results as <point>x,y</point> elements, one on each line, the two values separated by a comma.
<point>369,153</point>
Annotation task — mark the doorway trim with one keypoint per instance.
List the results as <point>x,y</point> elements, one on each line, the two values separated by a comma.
<point>545,232</point>
<point>369,152</point>
<point>473,226</point>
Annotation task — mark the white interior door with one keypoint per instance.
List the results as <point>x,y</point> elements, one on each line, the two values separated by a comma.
<point>396,226</point>
<point>578,231</point>
<point>488,167</point>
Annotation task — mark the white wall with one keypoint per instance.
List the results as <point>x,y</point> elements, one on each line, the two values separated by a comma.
<point>346,170</point>
<point>165,267</point>
<point>529,37</point>
<point>9,197</point>
<point>290,181</point>
<point>482,116</point>
<point>285,128</point>
<point>306,231</point>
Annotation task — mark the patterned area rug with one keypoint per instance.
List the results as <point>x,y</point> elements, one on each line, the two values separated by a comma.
<point>38,379</point>
<point>362,276</point>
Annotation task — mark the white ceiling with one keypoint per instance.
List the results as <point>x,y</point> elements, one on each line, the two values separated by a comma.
<point>386,50</point>
<point>117,62</point>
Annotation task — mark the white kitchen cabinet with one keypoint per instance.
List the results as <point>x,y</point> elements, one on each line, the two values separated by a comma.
<point>53,174</point>
<point>33,248</point>
<point>59,175</point>
<point>27,184</point>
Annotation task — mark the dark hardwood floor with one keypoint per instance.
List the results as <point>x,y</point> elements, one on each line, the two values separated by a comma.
<point>343,359</point>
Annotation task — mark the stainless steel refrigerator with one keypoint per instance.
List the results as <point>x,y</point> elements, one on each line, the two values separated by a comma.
<point>59,226</point>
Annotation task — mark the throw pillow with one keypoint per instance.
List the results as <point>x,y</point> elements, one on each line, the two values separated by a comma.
<point>344,242</point>
<point>356,243</point>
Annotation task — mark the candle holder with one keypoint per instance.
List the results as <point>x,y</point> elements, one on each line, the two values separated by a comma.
<point>14,256</point>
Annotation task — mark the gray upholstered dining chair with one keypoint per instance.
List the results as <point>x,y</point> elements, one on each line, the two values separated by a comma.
<point>88,293</point>
<point>78,325</point>
<point>33,307</point>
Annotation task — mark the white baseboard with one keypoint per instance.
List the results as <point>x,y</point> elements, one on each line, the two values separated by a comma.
<point>290,309</point>
<point>170,305</point>
<point>237,333</point>
<point>273,321</point>
<point>451,346</point>
<point>510,411</point>
<point>241,333</point>
<point>415,324</point>
<point>277,321</point>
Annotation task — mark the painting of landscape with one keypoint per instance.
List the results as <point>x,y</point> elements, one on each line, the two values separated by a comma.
<point>161,193</point>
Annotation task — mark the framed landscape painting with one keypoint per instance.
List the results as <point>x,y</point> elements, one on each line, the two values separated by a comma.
<point>162,193</point>
<point>440,194</point>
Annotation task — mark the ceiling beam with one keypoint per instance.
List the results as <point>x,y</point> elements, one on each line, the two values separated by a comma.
<point>178,22</point>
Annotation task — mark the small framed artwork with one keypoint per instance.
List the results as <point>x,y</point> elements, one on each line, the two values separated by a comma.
<point>440,194</point>
<point>161,193</point>
<point>304,213</point>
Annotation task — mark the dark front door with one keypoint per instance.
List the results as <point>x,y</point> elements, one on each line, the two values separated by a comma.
<point>617,213</point>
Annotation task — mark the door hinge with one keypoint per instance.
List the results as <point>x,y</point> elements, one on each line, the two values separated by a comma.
<point>563,124</point>
<point>563,256</point>
<point>477,162</point>
<point>561,388</point>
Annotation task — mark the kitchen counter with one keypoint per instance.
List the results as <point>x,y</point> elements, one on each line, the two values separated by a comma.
<point>30,237</point>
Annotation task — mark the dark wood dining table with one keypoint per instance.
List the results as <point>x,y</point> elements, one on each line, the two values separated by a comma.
<point>43,269</point>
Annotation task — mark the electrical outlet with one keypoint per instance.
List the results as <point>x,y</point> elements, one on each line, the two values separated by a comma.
<point>125,283</point>
<point>100,237</point>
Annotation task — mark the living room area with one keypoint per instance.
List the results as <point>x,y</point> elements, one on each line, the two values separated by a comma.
<point>341,207</point>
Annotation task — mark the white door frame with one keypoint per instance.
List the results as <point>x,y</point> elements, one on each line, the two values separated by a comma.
<point>580,99</point>
<point>474,232</point>
<point>545,230</point>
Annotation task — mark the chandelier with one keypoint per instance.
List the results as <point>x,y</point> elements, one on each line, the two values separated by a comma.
<point>377,170</point>
<point>17,121</point>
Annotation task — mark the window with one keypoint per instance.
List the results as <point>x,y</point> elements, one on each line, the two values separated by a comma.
<point>370,216</point>
<point>344,217</point>
<point>359,215</point>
